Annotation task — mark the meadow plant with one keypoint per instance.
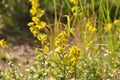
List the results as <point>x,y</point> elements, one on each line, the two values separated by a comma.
<point>85,44</point>
<point>85,47</point>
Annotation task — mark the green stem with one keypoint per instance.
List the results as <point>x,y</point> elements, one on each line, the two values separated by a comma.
<point>75,73</point>
<point>42,44</point>
<point>55,20</point>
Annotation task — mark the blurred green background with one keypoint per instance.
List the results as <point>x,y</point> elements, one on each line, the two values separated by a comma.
<point>14,16</point>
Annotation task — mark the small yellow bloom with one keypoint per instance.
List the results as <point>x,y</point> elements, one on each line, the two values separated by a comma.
<point>43,24</point>
<point>34,30</point>
<point>116,22</point>
<point>35,5</point>
<point>59,49</point>
<point>46,49</point>
<point>88,24</point>
<point>90,27</point>
<point>33,11</point>
<point>63,61</point>
<point>93,29</point>
<point>108,26</point>
<point>38,57</point>
<point>73,59</point>
<point>3,43</point>
<point>74,50</point>
<point>65,56</point>
<point>35,19</point>
<point>30,24</point>
<point>40,13</point>
<point>81,14</point>
<point>40,25</point>
<point>73,9</point>
<point>42,37</point>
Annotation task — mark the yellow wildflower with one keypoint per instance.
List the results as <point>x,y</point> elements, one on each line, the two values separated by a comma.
<point>46,49</point>
<point>36,26</point>
<point>3,43</point>
<point>73,9</point>
<point>88,24</point>
<point>38,57</point>
<point>43,24</point>
<point>108,26</point>
<point>74,59</point>
<point>40,13</point>
<point>116,22</point>
<point>61,39</point>
<point>93,29</point>
<point>40,25</point>
<point>74,53</point>
<point>35,4</point>
<point>34,30</point>
<point>74,50</point>
<point>65,56</point>
<point>35,20</point>
<point>30,24</point>
<point>90,27</point>
<point>33,11</point>
<point>42,37</point>
<point>59,49</point>
<point>63,62</point>
<point>81,14</point>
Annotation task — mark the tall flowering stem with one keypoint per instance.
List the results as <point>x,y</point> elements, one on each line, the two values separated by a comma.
<point>74,53</point>
<point>36,27</point>
<point>60,43</point>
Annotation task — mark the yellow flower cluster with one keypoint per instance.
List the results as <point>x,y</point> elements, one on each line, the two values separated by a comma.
<point>75,8</point>
<point>35,10</point>
<point>36,25</point>
<point>61,39</point>
<point>108,26</point>
<point>90,27</point>
<point>41,52</point>
<point>75,53</point>
<point>64,59</point>
<point>3,43</point>
<point>60,43</point>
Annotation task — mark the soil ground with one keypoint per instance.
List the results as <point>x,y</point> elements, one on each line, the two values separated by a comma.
<point>22,54</point>
<point>21,46</point>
